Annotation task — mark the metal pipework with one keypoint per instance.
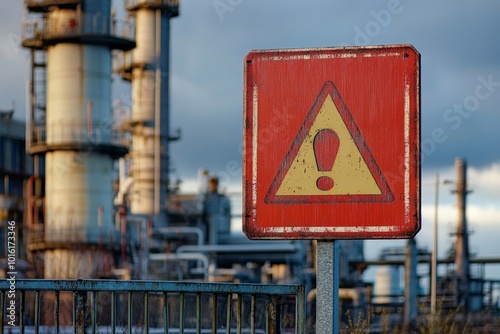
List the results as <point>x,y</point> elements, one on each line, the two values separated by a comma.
<point>200,235</point>
<point>252,248</point>
<point>203,259</point>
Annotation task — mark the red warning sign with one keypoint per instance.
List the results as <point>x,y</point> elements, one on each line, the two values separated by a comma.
<point>332,143</point>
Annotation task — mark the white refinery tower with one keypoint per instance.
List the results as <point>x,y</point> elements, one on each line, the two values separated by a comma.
<point>71,111</point>
<point>147,67</point>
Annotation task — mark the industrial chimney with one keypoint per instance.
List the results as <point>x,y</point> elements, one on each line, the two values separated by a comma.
<point>462,255</point>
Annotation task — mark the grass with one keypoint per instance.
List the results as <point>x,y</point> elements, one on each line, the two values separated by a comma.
<point>445,321</point>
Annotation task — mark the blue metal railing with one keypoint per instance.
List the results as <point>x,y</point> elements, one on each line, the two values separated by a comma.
<point>110,306</point>
<point>79,133</point>
<point>77,25</point>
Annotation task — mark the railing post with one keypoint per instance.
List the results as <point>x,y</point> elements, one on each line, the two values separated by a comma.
<point>214,313</point>
<point>56,311</point>
<point>37,312</point>
<point>1,313</point>
<point>80,305</point>
<point>300,311</point>
<point>272,318</point>
<point>22,311</point>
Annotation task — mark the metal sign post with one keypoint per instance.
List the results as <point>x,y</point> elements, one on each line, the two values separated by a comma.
<point>327,287</point>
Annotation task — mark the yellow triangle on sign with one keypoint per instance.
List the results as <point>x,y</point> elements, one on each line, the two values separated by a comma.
<point>350,174</point>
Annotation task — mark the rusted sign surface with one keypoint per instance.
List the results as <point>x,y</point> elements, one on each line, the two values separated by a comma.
<point>332,143</point>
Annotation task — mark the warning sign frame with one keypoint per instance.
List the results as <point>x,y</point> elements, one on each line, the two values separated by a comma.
<point>376,92</point>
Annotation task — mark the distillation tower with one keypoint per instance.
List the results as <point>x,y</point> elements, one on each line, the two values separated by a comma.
<point>147,68</point>
<point>71,43</point>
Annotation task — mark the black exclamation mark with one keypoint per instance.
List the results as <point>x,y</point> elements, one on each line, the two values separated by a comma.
<point>326,146</point>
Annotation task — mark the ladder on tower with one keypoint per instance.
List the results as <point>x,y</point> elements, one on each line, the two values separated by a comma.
<point>38,95</point>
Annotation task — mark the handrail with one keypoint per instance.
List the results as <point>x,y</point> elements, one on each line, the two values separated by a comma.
<point>170,3</point>
<point>151,306</point>
<point>77,25</point>
<point>152,286</point>
<point>78,133</point>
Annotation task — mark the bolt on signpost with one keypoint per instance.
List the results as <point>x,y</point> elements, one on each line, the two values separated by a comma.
<point>332,151</point>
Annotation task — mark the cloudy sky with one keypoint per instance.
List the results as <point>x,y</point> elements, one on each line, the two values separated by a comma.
<point>460,66</point>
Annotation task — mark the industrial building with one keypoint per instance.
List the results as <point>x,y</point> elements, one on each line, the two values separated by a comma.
<point>16,169</point>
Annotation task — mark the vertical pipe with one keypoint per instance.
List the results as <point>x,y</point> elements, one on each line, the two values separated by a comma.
<point>36,170</point>
<point>435,250</point>
<point>6,185</point>
<point>123,223</point>
<point>100,210</point>
<point>30,127</point>
<point>30,211</point>
<point>157,138</point>
<point>490,299</point>
<point>121,172</point>
<point>89,120</point>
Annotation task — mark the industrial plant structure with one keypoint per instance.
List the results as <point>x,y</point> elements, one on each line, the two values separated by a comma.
<point>16,168</point>
<point>93,198</point>
<point>71,128</point>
